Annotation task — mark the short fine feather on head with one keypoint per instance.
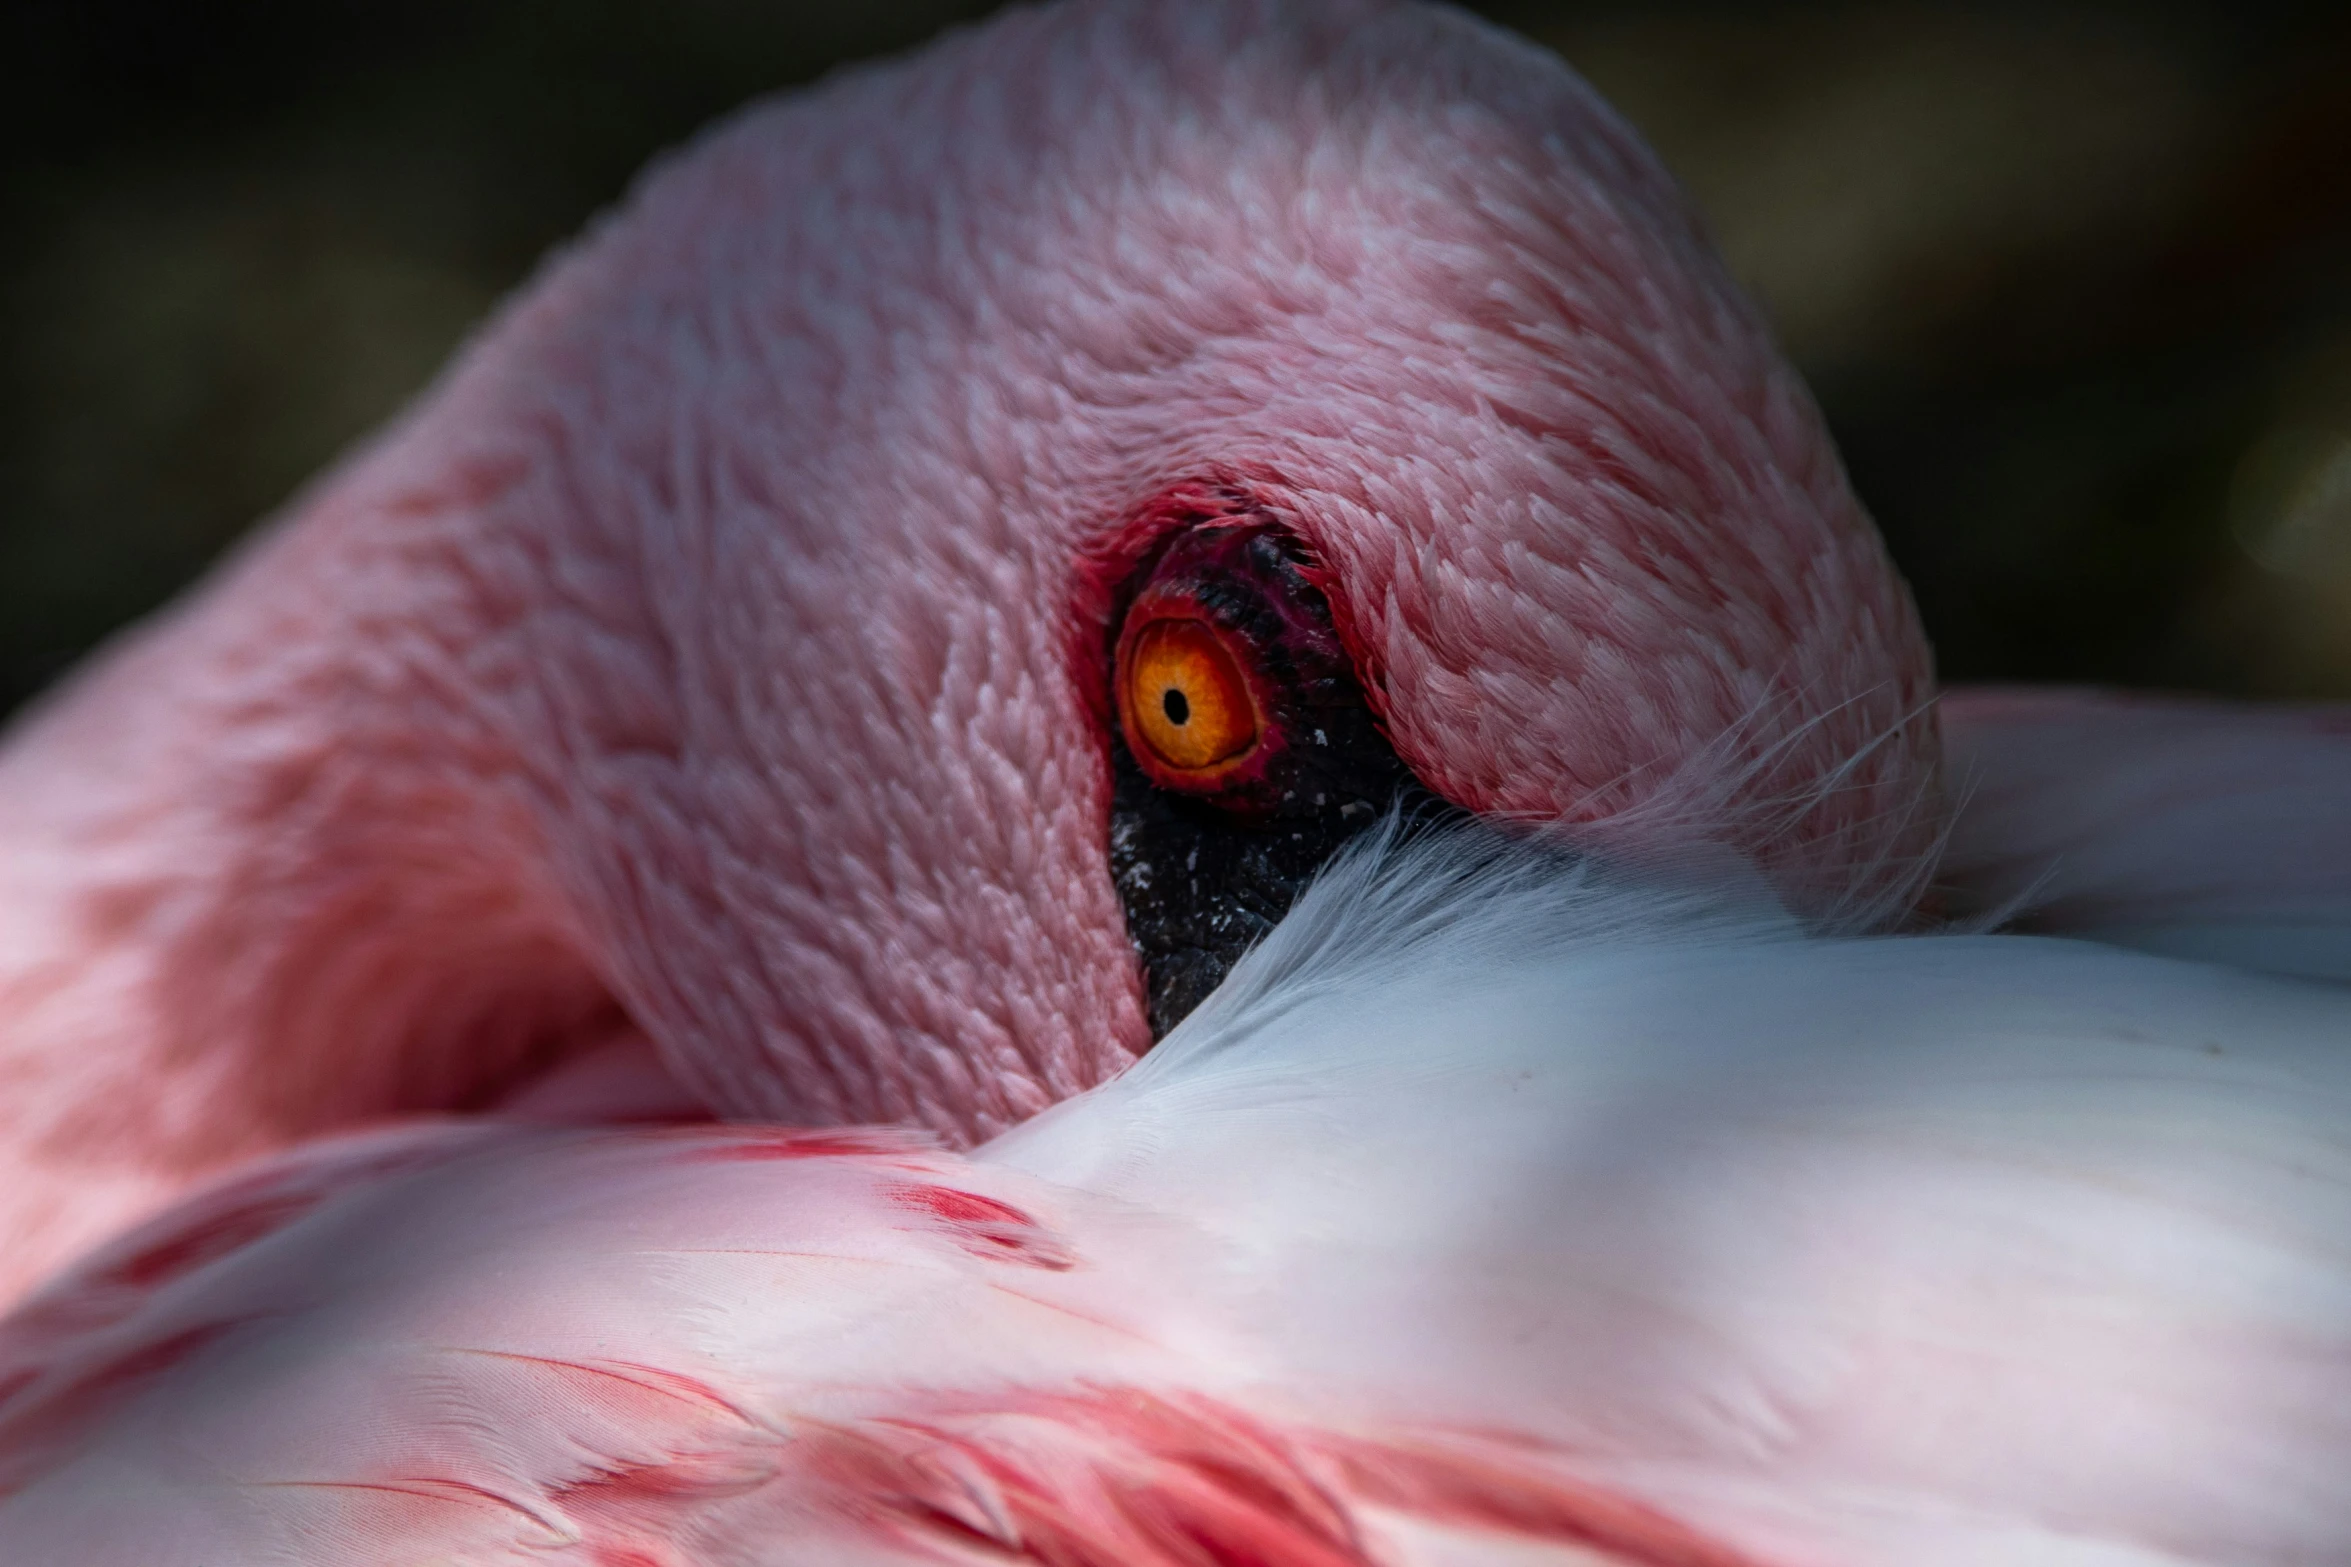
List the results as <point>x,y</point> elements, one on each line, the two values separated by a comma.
<point>889,384</point>
<point>730,635</point>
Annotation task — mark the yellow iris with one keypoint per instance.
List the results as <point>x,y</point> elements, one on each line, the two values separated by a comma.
<point>1186,699</point>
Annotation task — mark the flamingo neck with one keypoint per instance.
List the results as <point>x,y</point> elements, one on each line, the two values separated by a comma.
<point>278,865</point>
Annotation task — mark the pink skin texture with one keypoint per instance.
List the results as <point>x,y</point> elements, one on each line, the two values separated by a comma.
<point>709,670</point>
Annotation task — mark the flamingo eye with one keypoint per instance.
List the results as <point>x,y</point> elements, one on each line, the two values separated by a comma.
<point>1244,751</point>
<point>1184,703</point>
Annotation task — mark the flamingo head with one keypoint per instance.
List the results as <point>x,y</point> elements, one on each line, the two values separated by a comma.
<point>897,607</point>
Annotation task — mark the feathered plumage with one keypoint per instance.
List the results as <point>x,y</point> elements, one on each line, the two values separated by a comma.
<point>702,703</point>
<point>1498,1209</point>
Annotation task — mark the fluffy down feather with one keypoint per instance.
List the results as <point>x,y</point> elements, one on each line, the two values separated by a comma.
<point>1497,1210</point>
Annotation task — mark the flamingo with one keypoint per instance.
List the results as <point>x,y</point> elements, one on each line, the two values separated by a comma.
<point>924,621</point>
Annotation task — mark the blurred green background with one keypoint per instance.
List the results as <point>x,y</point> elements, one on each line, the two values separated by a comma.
<point>2073,281</point>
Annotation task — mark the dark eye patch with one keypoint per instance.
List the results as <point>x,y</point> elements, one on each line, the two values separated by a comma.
<point>1203,876</point>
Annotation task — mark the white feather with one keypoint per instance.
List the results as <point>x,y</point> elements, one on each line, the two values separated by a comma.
<point>1922,1249</point>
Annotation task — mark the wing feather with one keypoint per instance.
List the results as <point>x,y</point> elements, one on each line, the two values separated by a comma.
<point>1500,1210</point>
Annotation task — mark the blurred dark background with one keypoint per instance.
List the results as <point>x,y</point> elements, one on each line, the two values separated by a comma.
<point>2073,281</point>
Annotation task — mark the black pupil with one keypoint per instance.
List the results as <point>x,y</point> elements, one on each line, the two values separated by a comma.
<point>1178,710</point>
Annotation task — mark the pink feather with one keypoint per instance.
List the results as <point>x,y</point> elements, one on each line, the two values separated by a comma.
<point>696,705</point>
<point>1495,1211</point>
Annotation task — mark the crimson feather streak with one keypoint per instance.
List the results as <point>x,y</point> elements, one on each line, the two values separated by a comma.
<point>883,631</point>
<point>1497,1210</point>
